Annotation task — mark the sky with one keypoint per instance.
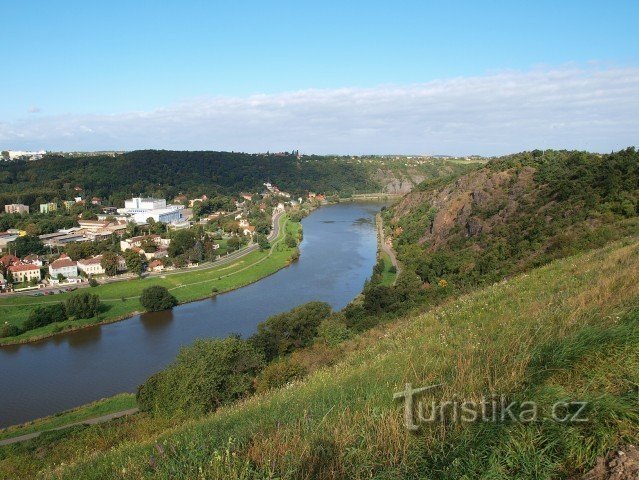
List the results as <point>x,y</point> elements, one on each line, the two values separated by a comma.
<point>356,77</point>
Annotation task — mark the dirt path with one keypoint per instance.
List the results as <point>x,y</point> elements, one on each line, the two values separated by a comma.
<point>88,421</point>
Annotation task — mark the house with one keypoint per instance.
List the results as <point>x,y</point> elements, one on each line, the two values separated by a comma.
<point>8,260</point>
<point>92,225</point>
<point>24,273</point>
<point>203,198</point>
<point>33,260</point>
<point>63,266</point>
<point>244,223</point>
<point>93,266</point>
<point>139,241</point>
<point>68,204</point>
<point>250,230</point>
<point>48,207</point>
<point>16,208</point>
<point>156,266</point>
<point>96,201</point>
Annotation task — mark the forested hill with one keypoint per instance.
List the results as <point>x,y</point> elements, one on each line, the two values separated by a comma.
<point>515,213</point>
<point>164,174</point>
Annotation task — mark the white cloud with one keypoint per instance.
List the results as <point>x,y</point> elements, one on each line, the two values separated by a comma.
<point>590,108</point>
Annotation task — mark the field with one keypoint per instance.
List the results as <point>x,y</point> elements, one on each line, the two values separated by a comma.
<point>388,276</point>
<point>121,299</point>
<point>566,331</point>
<point>98,408</point>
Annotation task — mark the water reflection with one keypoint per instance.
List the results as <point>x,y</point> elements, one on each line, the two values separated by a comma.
<point>337,255</point>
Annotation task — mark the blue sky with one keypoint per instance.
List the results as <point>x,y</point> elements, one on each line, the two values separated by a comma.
<point>78,62</point>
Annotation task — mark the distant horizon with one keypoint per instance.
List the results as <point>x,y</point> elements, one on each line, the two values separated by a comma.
<point>462,77</point>
<point>426,155</point>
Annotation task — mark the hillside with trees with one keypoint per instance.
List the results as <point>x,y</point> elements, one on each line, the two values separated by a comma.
<point>165,174</point>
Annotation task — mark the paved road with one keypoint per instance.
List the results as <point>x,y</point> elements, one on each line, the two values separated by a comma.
<point>88,421</point>
<point>231,257</point>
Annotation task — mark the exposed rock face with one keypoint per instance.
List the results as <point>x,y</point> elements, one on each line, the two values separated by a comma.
<point>474,203</point>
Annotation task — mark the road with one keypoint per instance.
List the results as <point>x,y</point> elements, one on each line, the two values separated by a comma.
<point>89,421</point>
<point>231,257</point>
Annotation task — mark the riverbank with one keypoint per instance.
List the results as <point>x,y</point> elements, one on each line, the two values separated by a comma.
<point>121,299</point>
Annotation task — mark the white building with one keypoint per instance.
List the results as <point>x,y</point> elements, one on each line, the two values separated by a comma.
<point>141,209</point>
<point>63,266</point>
<point>93,266</point>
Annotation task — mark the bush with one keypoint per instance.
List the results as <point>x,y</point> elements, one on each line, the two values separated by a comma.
<point>93,282</point>
<point>333,330</point>
<point>283,333</point>
<point>203,377</point>
<point>279,373</point>
<point>157,298</point>
<point>9,330</point>
<point>45,315</point>
<point>83,305</point>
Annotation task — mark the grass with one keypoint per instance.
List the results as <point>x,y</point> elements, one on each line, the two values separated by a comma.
<point>123,401</point>
<point>388,276</point>
<point>566,331</point>
<point>121,299</point>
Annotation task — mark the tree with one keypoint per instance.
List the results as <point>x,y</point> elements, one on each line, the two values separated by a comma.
<point>203,377</point>
<point>181,241</point>
<point>290,241</point>
<point>44,315</point>
<point>157,298</point>
<point>281,334</point>
<point>27,245</point>
<point>134,262</point>
<point>83,305</point>
<point>263,242</point>
<point>109,262</point>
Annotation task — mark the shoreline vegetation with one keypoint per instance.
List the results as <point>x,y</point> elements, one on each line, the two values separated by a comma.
<point>122,298</point>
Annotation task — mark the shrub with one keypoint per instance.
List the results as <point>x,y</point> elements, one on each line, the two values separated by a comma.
<point>157,298</point>
<point>279,373</point>
<point>203,377</point>
<point>333,330</point>
<point>83,305</point>
<point>9,330</point>
<point>93,282</point>
<point>44,315</point>
<point>283,333</point>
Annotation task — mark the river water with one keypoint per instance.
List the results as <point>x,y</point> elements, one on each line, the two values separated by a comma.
<point>38,379</point>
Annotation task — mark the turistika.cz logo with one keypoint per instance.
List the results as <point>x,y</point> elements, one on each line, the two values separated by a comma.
<point>496,408</point>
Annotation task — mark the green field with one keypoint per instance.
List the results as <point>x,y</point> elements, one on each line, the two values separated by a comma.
<point>388,277</point>
<point>123,401</point>
<point>121,299</point>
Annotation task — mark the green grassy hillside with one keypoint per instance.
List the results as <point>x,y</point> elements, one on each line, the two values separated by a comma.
<point>566,331</point>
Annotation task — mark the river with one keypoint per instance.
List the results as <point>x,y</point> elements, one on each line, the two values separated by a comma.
<point>38,379</point>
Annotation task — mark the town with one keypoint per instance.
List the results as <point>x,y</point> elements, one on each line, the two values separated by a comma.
<point>147,236</point>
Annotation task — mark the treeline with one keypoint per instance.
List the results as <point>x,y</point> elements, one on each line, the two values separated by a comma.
<point>165,174</point>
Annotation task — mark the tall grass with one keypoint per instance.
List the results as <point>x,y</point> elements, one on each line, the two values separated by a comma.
<point>569,330</point>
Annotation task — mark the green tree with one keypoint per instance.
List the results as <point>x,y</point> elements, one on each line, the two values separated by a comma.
<point>283,333</point>
<point>134,261</point>
<point>290,241</point>
<point>157,298</point>
<point>181,242</point>
<point>203,377</point>
<point>109,262</point>
<point>27,245</point>
<point>83,305</point>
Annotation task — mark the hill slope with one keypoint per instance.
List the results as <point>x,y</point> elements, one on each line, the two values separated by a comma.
<point>566,331</point>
